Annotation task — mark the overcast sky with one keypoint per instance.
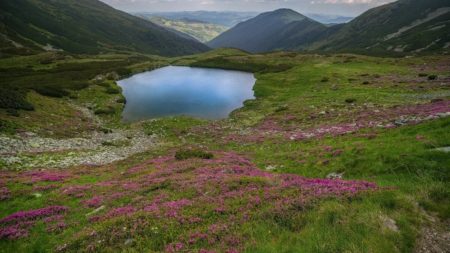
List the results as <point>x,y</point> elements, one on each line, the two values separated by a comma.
<point>338,7</point>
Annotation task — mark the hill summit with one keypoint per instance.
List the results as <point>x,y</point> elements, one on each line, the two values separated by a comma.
<point>254,34</point>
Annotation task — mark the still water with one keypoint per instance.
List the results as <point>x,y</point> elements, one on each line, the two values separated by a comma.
<point>196,92</point>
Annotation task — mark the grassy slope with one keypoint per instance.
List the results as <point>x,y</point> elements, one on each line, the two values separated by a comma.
<point>252,35</point>
<point>365,34</point>
<point>231,201</point>
<point>87,27</point>
<point>202,31</point>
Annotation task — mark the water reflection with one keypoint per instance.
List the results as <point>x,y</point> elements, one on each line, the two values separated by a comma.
<point>197,92</point>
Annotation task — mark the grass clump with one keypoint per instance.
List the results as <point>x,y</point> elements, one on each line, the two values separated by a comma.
<point>423,74</point>
<point>432,77</point>
<point>121,101</point>
<point>107,111</point>
<point>110,90</point>
<point>325,79</point>
<point>106,85</point>
<point>184,154</point>
<point>350,100</point>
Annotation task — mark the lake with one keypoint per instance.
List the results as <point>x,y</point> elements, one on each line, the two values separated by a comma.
<point>196,92</point>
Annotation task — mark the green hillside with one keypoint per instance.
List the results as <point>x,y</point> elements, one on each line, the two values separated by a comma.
<point>257,34</point>
<point>83,27</point>
<point>75,178</point>
<point>200,30</point>
<point>404,27</point>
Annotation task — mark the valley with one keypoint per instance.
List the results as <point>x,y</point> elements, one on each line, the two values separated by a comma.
<point>381,122</point>
<point>343,149</point>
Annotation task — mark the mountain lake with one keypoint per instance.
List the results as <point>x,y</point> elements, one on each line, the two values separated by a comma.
<point>197,92</point>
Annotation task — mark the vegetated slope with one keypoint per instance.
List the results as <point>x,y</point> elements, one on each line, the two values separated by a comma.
<point>84,27</point>
<point>259,34</point>
<point>404,26</point>
<point>199,30</point>
<point>224,18</point>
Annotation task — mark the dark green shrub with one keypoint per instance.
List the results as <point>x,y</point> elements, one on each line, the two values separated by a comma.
<point>121,101</point>
<point>423,74</point>
<point>15,100</point>
<point>110,77</point>
<point>123,71</point>
<point>46,61</point>
<point>106,85</point>
<point>51,91</point>
<point>325,79</point>
<point>112,91</point>
<point>365,82</point>
<point>78,86</point>
<point>183,154</point>
<point>12,112</point>
<point>432,77</point>
<point>107,111</point>
<point>350,100</point>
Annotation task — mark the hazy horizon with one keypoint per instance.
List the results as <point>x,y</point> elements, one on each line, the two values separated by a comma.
<point>328,7</point>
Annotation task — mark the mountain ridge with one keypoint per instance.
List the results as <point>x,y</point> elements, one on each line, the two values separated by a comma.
<point>85,27</point>
<point>402,28</point>
<point>251,36</point>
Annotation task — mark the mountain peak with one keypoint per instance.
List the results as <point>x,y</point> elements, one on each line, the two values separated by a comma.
<point>259,33</point>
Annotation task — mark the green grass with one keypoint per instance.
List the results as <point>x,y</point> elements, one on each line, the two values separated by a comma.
<point>252,151</point>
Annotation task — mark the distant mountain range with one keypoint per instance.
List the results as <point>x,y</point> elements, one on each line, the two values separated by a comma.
<point>224,18</point>
<point>189,28</point>
<point>83,27</point>
<point>329,19</point>
<point>401,28</point>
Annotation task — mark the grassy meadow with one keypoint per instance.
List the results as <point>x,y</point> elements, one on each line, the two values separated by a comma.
<point>253,182</point>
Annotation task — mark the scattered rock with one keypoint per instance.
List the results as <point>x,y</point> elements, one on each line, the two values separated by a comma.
<point>271,167</point>
<point>444,149</point>
<point>388,223</point>
<point>95,211</point>
<point>335,175</point>
<point>129,241</point>
<point>34,145</point>
<point>37,195</point>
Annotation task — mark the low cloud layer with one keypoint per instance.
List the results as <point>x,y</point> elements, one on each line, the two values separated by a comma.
<point>339,7</point>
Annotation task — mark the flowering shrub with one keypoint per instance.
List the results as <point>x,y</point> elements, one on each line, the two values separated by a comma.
<point>17,225</point>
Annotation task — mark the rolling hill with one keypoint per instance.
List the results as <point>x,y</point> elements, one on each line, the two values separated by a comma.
<point>199,30</point>
<point>263,32</point>
<point>83,27</point>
